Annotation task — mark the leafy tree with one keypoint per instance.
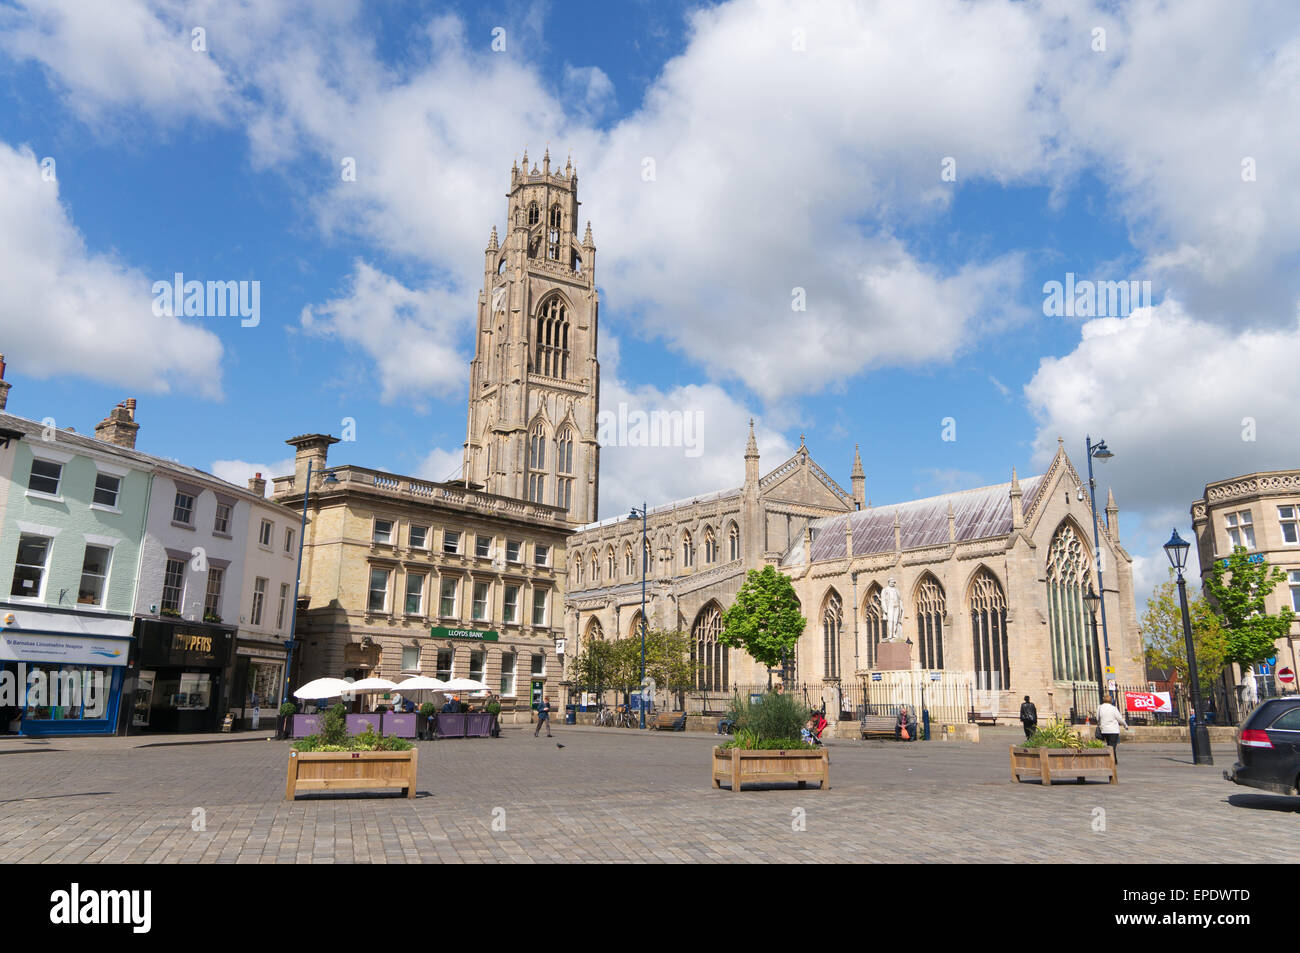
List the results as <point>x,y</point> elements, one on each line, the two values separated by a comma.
<point>764,620</point>
<point>1162,634</point>
<point>668,659</point>
<point>1250,631</point>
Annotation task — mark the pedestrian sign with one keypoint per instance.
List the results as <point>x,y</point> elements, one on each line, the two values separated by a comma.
<point>1110,669</point>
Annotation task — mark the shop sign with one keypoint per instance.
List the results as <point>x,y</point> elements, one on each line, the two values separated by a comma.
<point>62,649</point>
<point>441,632</point>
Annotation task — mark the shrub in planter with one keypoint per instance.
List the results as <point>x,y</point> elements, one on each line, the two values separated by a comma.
<point>287,711</point>
<point>777,718</point>
<point>1059,735</point>
<point>368,740</point>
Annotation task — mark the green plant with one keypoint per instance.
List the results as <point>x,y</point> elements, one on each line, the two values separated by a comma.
<point>428,709</point>
<point>170,613</point>
<point>211,617</point>
<point>288,709</point>
<point>1250,631</point>
<point>334,726</point>
<point>1162,633</point>
<point>748,741</point>
<point>1060,734</point>
<point>494,707</point>
<point>777,717</point>
<point>764,620</point>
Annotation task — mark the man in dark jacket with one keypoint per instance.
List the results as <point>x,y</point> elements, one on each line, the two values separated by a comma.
<point>1029,717</point>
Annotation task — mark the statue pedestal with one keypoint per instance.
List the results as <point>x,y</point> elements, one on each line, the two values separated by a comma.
<point>892,656</point>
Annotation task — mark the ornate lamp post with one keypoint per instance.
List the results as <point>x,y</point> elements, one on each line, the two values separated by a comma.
<point>1101,452</point>
<point>1176,549</point>
<point>644,560</point>
<point>1094,600</point>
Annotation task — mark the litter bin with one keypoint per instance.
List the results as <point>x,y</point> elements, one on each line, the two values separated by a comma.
<point>570,714</point>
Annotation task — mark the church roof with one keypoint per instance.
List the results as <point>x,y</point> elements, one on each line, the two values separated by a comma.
<point>977,514</point>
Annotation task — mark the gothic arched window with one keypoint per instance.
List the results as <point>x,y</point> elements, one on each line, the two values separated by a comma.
<point>988,620</point>
<point>1069,578</point>
<point>553,233</point>
<point>874,618</point>
<point>645,557</point>
<point>594,632</point>
<point>733,541</point>
<point>611,563</point>
<point>537,463</point>
<point>629,561</point>
<point>552,340</point>
<point>595,568</point>
<point>708,655</point>
<point>634,631</point>
<point>534,214</point>
<point>832,623</point>
<point>710,546</point>
<point>688,550</point>
<point>564,467</point>
<point>931,604</point>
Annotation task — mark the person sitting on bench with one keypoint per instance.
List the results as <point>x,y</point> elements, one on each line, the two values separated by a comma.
<point>905,726</point>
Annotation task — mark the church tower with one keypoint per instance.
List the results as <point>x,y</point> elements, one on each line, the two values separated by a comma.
<point>534,381</point>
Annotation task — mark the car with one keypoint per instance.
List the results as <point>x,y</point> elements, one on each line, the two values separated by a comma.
<point>1268,748</point>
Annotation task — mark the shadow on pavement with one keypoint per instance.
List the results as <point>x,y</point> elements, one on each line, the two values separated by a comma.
<point>1266,802</point>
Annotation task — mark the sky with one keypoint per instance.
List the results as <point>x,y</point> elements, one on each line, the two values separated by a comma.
<point>841,219</point>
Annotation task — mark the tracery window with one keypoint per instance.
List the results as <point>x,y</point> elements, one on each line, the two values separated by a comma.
<point>708,655</point>
<point>688,550</point>
<point>988,619</point>
<point>553,233</point>
<point>930,606</point>
<point>874,619</point>
<point>1069,578</point>
<point>552,359</point>
<point>564,466</point>
<point>710,546</point>
<point>832,623</point>
<point>537,463</point>
<point>733,541</point>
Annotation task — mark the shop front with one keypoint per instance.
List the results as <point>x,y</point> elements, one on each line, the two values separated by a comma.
<point>182,676</point>
<point>258,685</point>
<point>60,683</point>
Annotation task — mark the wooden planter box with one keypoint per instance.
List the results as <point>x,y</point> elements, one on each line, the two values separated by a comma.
<point>738,767</point>
<point>1063,764</point>
<point>350,771</point>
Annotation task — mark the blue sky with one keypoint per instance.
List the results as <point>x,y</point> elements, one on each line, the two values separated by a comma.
<point>795,145</point>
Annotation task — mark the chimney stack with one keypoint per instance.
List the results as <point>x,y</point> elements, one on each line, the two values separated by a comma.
<point>257,485</point>
<point>119,427</point>
<point>313,449</point>
<point>4,384</point>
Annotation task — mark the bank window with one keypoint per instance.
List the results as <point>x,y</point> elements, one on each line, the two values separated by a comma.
<point>542,556</point>
<point>259,599</point>
<point>410,658</point>
<point>539,607</point>
<point>107,487</point>
<point>508,673</point>
<point>288,540</point>
<point>383,532</point>
<point>414,593</point>
<point>1295,589</point>
<point>510,611</point>
<point>419,537</point>
<point>443,670</point>
<point>29,567</point>
<point>451,541</point>
<point>94,574</point>
<point>482,546</point>
<point>173,585</point>
<point>378,601</point>
<point>284,604</point>
<point>477,662</point>
<point>45,477</point>
<point>183,509</point>
<point>539,664</point>
<point>480,606</point>
<point>514,551</point>
<point>1241,531</point>
<point>221,523</point>
<point>212,600</point>
<point>264,535</point>
<point>447,606</point>
<point>1290,525</point>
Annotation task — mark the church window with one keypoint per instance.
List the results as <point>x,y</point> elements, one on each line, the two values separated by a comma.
<point>564,466</point>
<point>553,233</point>
<point>708,655</point>
<point>733,542</point>
<point>988,619</point>
<point>611,563</point>
<point>832,623</point>
<point>629,561</point>
<point>931,603</point>
<point>688,551</point>
<point>552,358</point>
<point>710,546</point>
<point>534,214</point>
<point>874,620</point>
<point>537,464</point>
<point>1069,578</point>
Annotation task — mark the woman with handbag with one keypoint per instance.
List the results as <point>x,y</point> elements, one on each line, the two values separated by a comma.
<point>1109,722</point>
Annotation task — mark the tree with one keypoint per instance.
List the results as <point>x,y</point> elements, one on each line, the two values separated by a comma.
<point>764,620</point>
<point>1162,634</point>
<point>668,659</point>
<point>601,665</point>
<point>1250,631</point>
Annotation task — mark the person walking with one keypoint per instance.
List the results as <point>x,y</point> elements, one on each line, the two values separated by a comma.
<point>1109,722</point>
<point>1029,717</point>
<point>543,717</point>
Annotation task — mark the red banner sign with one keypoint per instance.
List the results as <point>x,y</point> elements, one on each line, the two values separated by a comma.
<point>1148,701</point>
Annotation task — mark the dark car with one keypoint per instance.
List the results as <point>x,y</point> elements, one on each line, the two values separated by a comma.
<point>1268,750</point>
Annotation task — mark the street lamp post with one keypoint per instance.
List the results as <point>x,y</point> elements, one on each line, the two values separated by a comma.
<point>1176,549</point>
<point>1101,452</point>
<point>1094,599</point>
<point>644,567</point>
<point>293,609</point>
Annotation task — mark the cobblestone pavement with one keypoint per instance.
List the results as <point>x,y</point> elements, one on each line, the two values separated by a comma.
<point>624,796</point>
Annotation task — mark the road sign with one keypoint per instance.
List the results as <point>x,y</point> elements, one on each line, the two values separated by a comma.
<point>1271,660</point>
<point>1110,686</point>
<point>875,676</point>
<point>936,676</point>
<point>1285,676</point>
<point>1110,669</point>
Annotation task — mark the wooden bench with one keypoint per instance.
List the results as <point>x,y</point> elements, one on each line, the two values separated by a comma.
<point>878,725</point>
<point>982,717</point>
<point>668,720</point>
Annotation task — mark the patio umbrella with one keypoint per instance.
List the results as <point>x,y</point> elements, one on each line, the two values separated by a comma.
<point>324,688</point>
<point>373,684</point>
<point>464,685</point>
<point>422,683</point>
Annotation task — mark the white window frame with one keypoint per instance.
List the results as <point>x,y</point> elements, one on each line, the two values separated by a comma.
<point>371,590</point>
<point>452,537</point>
<point>480,610</point>
<point>284,603</point>
<point>1234,523</point>
<point>451,665</point>
<point>266,534</point>
<point>218,520</point>
<point>187,511</point>
<point>95,490</point>
<point>288,540</point>
<point>1293,520</point>
<point>180,589</point>
<point>541,554</point>
<point>424,543</point>
<point>416,650</point>
<point>1293,578</point>
<point>419,595</point>
<point>58,481</point>
<point>388,533</point>
<point>518,545</point>
<point>482,551</point>
<point>545,607</point>
<point>207,589</point>
<point>103,580</point>
<point>482,665</point>
<point>510,610</point>
<point>45,566</point>
<point>259,600</point>
<point>443,582</point>
<point>512,673</point>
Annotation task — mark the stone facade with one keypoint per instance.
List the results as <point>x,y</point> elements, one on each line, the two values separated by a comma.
<point>402,576</point>
<point>1261,511</point>
<point>534,380</point>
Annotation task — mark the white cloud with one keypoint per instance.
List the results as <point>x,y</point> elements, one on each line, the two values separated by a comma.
<point>441,465</point>
<point>409,335</point>
<point>66,311</point>
<point>238,472</point>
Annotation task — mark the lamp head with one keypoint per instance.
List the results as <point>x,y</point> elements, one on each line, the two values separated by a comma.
<point>329,477</point>
<point>1091,597</point>
<point>1176,549</point>
<point>1101,451</point>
